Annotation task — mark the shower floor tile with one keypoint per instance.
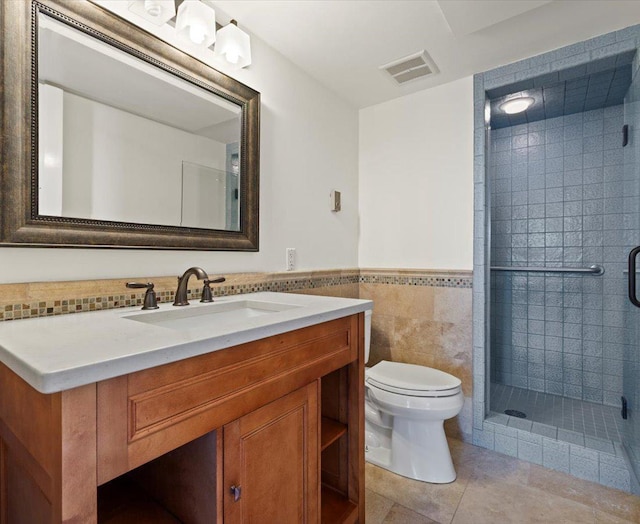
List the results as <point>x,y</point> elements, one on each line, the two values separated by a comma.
<point>588,418</point>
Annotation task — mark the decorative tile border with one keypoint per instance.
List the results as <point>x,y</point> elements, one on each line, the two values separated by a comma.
<point>276,283</point>
<point>236,284</point>
<point>431,278</point>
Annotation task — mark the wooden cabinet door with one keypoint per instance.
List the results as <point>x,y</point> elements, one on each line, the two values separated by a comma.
<point>271,462</point>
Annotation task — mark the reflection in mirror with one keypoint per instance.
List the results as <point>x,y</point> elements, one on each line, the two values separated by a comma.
<point>121,140</point>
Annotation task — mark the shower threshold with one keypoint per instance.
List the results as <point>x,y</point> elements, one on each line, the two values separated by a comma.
<point>572,420</point>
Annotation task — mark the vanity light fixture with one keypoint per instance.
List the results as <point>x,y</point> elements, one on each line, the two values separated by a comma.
<point>196,23</point>
<point>158,12</point>
<point>517,105</point>
<point>233,45</point>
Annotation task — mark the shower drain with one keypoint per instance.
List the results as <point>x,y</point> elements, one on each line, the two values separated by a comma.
<point>515,413</point>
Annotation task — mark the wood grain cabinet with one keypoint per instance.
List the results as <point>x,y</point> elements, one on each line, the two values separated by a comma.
<point>271,462</point>
<point>268,431</point>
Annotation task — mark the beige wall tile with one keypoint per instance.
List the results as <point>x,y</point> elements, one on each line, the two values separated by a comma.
<point>416,336</point>
<point>320,291</point>
<point>428,326</point>
<point>382,329</point>
<point>14,293</point>
<point>413,357</point>
<point>343,291</point>
<point>384,297</point>
<point>400,301</point>
<point>452,305</point>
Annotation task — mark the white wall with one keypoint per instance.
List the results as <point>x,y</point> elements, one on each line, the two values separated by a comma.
<point>309,146</point>
<point>416,180</point>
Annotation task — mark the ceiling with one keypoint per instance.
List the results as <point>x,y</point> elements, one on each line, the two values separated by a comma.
<point>599,84</point>
<point>342,43</point>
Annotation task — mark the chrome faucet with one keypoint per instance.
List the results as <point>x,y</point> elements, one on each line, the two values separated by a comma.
<point>181,292</point>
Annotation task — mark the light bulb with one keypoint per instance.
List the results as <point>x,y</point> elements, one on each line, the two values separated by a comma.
<point>517,105</point>
<point>232,56</point>
<point>158,12</point>
<point>233,46</point>
<point>152,8</point>
<point>196,23</point>
<point>197,33</point>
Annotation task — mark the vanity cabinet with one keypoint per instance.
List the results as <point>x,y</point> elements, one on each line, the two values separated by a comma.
<point>271,462</point>
<point>279,419</point>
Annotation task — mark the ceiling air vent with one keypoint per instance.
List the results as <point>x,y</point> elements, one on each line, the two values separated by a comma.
<point>410,67</point>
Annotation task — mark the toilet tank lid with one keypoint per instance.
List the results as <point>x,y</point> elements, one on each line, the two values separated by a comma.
<point>411,376</point>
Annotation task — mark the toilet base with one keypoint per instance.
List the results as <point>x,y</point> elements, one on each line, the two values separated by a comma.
<point>431,463</point>
<point>378,456</point>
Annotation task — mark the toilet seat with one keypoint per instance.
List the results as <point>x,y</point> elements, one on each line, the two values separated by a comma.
<point>412,380</point>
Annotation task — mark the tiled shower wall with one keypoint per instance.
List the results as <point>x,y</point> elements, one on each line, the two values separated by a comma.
<point>577,460</point>
<point>558,197</point>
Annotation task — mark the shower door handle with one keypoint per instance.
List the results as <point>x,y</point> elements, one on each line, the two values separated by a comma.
<point>633,296</point>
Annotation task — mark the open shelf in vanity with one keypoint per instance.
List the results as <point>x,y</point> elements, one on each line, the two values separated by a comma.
<point>340,455</point>
<point>156,491</point>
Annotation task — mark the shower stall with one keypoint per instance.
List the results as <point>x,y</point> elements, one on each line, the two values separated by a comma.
<point>562,197</point>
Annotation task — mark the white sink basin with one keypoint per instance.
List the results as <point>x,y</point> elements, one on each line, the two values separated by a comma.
<point>62,352</point>
<point>199,316</point>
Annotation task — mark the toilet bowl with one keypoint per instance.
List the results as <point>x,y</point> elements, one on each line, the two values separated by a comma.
<point>405,409</point>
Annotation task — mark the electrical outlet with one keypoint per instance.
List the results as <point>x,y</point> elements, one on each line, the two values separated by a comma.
<point>291,258</point>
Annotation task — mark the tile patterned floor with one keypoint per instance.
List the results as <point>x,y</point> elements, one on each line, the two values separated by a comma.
<point>492,488</point>
<point>593,420</point>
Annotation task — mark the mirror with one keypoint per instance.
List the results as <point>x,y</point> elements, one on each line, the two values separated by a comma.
<point>133,143</point>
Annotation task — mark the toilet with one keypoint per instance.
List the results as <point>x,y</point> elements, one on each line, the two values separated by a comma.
<point>405,409</point>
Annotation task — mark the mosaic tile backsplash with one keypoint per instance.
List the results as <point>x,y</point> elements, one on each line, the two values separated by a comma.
<point>64,298</point>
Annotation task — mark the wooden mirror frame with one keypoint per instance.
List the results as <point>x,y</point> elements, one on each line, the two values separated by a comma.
<point>20,224</point>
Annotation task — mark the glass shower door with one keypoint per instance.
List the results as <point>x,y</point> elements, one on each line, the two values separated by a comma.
<point>631,203</point>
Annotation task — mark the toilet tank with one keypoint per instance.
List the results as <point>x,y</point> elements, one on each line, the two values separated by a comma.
<point>367,334</point>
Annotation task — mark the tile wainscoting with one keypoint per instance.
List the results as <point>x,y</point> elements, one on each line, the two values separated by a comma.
<point>420,316</point>
<point>424,317</point>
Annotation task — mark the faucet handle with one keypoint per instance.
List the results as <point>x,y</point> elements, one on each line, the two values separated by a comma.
<point>150,301</point>
<point>206,290</point>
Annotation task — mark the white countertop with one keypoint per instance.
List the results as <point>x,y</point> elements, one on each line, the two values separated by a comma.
<point>62,352</point>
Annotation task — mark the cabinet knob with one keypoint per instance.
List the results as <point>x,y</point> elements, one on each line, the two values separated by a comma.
<point>236,491</point>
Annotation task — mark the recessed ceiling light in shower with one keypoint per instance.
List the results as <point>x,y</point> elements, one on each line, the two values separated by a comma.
<point>517,105</point>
